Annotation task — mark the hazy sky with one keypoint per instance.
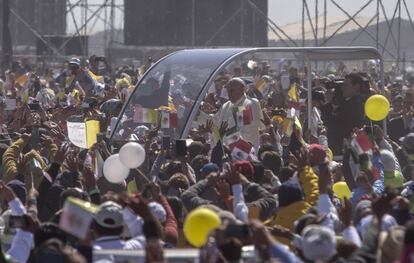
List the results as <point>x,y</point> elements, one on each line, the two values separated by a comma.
<point>280,11</point>
<point>286,11</point>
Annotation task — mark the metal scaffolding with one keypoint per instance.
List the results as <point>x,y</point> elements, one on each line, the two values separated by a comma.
<point>379,15</point>
<point>91,14</point>
<point>320,35</point>
<point>84,16</point>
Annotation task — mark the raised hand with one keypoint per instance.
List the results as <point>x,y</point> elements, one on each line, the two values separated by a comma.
<point>89,178</point>
<point>61,153</point>
<point>223,128</point>
<point>72,163</point>
<point>233,176</point>
<point>6,193</point>
<point>155,191</point>
<point>223,189</point>
<point>266,119</point>
<point>207,127</point>
<point>382,205</point>
<point>345,213</point>
<point>325,180</point>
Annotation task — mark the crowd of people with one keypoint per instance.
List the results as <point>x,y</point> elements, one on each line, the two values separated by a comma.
<point>329,185</point>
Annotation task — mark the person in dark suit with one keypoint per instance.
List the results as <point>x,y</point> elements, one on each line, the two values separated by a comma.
<point>345,112</point>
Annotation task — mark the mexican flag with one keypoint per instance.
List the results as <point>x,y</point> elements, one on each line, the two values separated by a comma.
<point>168,119</point>
<point>241,150</point>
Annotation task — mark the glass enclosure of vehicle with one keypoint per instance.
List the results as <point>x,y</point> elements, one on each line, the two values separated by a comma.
<point>170,93</point>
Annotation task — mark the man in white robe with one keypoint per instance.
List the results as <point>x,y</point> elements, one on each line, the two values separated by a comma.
<point>242,114</point>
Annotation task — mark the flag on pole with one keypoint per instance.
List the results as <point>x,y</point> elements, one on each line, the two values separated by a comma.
<point>168,119</point>
<point>361,143</point>
<point>241,150</point>
<point>292,93</point>
<point>98,78</point>
<point>231,138</point>
<point>22,80</point>
<point>287,126</point>
<point>216,134</point>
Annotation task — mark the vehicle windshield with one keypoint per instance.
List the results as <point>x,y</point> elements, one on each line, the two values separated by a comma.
<point>167,94</point>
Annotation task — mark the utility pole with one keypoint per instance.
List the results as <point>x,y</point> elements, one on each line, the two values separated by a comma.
<point>7,48</point>
<point>242,23</point>
<point>193,23</point>
<point>399,36</point>
<point>316,22</point>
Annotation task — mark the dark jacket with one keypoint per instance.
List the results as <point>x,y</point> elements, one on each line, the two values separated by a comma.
<point>254,195</point>
<point>342,121</point>
<point>397,128</point>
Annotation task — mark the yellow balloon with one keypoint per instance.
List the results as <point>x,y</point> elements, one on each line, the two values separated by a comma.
<point>198,224</point>
<point>377,107</point>
<point>341,190</point>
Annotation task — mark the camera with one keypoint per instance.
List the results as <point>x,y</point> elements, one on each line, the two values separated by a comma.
<point>334,84</point>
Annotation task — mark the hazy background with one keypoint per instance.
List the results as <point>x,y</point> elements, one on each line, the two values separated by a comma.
<point>282,12</point>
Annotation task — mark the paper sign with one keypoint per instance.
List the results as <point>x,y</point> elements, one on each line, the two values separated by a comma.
<point>285,82</point>
<point>83,135</point>
<point>10,104</point>
<point>77,216</point>
<point>77,133</point>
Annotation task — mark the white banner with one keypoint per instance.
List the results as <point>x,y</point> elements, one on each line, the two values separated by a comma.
<point>77,133</point>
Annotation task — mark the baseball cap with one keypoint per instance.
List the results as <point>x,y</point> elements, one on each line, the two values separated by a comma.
<point>317,154</point>
<point>209,168</point>
<point>75,61</point>
<point>392,243</point>
<point>158,211</point>
<point>109,215</point>
<point>318,243</point>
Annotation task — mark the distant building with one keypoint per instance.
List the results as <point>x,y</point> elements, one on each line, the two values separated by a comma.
<point>195,23</point>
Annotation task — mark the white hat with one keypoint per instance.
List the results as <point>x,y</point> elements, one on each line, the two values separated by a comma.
<point>388,160</point>
<point>158,211</point>
<point>75,61</point>
<point>318,243</point>
<point>109,215</point>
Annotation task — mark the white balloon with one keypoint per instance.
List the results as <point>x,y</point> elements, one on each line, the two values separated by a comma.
<point>113,170</point>
<point>132,155</point>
